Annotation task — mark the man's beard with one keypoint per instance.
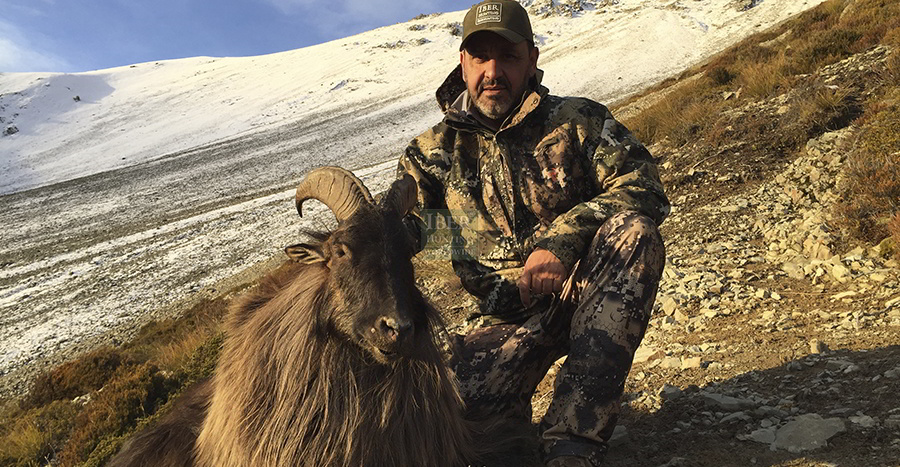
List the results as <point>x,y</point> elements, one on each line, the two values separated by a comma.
<point>495,107</point>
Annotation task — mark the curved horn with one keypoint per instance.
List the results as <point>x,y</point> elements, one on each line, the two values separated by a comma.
<point>337,188</point>
<point>402,195</point>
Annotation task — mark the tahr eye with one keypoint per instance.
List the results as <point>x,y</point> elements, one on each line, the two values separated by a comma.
<point>340,250</point>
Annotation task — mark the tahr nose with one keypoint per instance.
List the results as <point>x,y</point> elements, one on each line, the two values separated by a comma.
<point>393,329</point>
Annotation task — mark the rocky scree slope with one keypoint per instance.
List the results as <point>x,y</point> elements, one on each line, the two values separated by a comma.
<point>773,341</point>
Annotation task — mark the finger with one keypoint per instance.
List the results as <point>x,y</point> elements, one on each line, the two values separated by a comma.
<point>547,286</point>
<point>524,288</point>
<point>558,285</point>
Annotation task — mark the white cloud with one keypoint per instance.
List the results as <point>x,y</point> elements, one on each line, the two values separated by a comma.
<point>17,53</point>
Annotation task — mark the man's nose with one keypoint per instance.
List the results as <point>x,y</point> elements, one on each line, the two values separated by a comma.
<point>491,69</point>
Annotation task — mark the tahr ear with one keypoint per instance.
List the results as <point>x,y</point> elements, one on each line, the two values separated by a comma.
<point>305,253</point>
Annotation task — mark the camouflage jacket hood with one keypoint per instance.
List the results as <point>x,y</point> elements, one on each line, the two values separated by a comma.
<point>553,173</point>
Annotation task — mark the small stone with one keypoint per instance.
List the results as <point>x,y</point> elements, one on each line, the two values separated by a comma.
<point>838,365</point>
<point>669,305</point>
<point>807,432</point>
<point>646,353</point>
<point>893,421</point>
<point>763,435</point>
<point>731,404</point>
<point>817,347</point>
<point>675,461</point>
<point>840,272</point>
<point>671,362</point>
<point>735,416</point>
<point>843,295</point>
<point>864,421</point>
<point>691,362</point>
<point>619,436</point>
<point>669,392</point>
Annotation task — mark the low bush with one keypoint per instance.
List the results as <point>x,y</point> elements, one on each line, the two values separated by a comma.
<point>870,207</point>
<point>78,377</point>
<point>116,409</point>
<point>32,436</point>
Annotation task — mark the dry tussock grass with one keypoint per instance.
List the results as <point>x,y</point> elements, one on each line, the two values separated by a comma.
<point>871,203</point>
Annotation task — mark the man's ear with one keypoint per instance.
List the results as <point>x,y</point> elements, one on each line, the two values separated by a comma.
<point>305,253</point>
<point>462,63</point>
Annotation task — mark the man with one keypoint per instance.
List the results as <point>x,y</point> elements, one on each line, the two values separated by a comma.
<point>554,207</point>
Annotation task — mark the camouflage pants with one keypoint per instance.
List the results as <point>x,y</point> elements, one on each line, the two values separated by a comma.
<point>598,321</point>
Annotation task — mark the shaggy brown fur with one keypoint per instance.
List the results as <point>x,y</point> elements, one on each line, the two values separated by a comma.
<point>289,392</point>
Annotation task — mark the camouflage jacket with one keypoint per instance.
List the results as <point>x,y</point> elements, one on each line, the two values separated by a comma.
<point>549,178</point>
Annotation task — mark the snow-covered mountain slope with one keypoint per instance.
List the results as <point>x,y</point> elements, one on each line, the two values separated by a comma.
<point>63,126</point>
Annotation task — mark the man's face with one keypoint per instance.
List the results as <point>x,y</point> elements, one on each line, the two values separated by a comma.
<point>496,72</point>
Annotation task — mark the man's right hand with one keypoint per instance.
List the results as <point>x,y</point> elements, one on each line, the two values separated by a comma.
<point>544,273</point>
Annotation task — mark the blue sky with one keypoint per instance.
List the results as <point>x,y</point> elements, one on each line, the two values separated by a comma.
<point>82,35</point>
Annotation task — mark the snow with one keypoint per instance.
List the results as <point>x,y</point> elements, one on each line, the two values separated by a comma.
<point>129,189</point>
<point>130,115</point>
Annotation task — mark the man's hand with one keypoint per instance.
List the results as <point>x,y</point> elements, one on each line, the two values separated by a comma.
<point>544,273</point>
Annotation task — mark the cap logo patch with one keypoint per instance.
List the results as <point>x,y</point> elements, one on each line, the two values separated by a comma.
<point>488,13</point>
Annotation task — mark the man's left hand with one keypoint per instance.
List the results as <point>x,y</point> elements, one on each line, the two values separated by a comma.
<point>544,273</point>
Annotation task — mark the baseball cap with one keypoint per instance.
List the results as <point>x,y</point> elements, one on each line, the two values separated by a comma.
<point>505,17</point>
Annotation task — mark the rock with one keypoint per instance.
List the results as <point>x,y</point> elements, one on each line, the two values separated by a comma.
<point>843,295</point>
<point>807,432</point>
<point>646,353</point>
<point>794,270</point>
<point>864,421</point>
<point>669,305</point>
<point>763,435</point>
<point>671,362</point>
<point>838,365</point>
<point>817,347</point>
<point>840,272</point>
<point>668,322</point>
<point>10,130</point>
<point>731,404</point>
<point>735,416</point>
<point>675,462</point>
<point>669,392</point>
<point>691,362</point>
<point>893,421</point>
<point>619,436</point>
